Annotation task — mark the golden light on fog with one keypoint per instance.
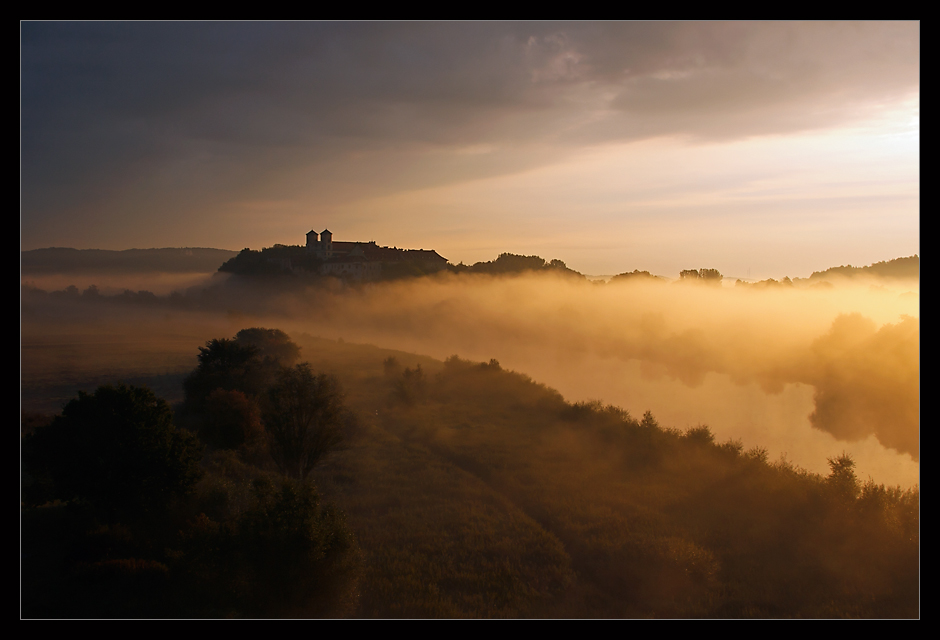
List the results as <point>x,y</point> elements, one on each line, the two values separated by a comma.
<point>670,395</point>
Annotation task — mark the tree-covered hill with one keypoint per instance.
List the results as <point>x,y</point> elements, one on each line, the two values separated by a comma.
<point>279,260</point>
<point>510,263</point>
<point>898,268</point>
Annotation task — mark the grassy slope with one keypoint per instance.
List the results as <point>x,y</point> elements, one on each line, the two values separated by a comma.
<point>491,496</point>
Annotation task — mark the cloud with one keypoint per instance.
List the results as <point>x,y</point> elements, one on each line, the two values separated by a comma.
<point>238,103</point>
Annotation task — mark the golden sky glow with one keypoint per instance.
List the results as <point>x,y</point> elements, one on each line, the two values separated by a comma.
<point>769,148</point>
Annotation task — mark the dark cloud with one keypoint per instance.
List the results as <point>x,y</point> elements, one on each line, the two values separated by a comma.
<point>117,103</point>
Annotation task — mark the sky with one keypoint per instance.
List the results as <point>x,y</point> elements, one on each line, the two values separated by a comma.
<point>759,149</point>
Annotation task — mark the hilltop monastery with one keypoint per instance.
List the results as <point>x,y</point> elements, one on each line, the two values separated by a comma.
<point>365,260</point>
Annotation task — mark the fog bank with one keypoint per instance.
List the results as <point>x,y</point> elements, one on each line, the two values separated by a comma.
<point>805,372</point>
<point>811,371</point>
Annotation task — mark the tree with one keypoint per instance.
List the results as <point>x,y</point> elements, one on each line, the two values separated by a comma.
<point>712,276</point>
<point>649,422</point>
<point>271,344</point>
<point>116,449</point>
<point>842,479</point>
<point>410,386</point>
<point>708,276</point>
<point>635,275</point>
<point>232,421</point>
<point>248,363</point>
<point>303,416</point>
<point>700,435</point>
<point>223,364</point>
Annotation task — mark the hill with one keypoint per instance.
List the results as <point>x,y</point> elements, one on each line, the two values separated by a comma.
<point>474,491</point>
<point>898,268</point>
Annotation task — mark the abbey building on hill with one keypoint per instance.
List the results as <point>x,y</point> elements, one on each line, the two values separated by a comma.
<point>367,260</point>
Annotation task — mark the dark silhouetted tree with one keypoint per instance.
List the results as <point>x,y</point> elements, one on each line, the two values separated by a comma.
<point>492,365</point>
<point>842,480</point>
<point>635,275</point>
<point>303,416</point>
<point>232,421</point>
<point>223,364</point>
<point>270,344</point>
<point>116,449</point>
<point>411,386</point>
<point>708,276</point>
<point>712,276</point>
<point>700,435</point>
<point>249,363</point>
<point>760,454</point>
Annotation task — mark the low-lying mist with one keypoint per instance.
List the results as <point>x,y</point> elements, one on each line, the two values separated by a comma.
<point>113,283</point>
<point>805,372</point>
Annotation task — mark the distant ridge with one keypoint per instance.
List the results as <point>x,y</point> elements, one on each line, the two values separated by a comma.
<point>169,260</point>
<point>898,268</point>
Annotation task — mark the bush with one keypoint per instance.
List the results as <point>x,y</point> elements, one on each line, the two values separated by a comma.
<point>116,449</point>
<point>286,555</point>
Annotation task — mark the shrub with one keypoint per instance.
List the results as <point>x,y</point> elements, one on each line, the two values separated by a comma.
<point>116,449</point>
<point>286,555</point>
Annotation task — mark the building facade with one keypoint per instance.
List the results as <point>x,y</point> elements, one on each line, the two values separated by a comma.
<point>366,260</point>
